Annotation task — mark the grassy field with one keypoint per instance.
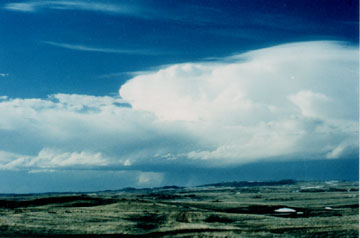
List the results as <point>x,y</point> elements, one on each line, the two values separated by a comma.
<point>314,209</point>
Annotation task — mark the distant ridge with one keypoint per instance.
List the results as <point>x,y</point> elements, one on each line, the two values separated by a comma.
<point>173,187</point>
<point>250,183</point>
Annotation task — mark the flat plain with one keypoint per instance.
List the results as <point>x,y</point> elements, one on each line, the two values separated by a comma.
<point>236,209</point>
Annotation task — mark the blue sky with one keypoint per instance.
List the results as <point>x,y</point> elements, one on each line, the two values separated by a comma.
<point>150,93</point>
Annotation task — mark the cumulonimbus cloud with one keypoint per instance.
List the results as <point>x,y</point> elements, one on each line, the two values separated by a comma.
<point>285,102</point>
<point>265,103</point>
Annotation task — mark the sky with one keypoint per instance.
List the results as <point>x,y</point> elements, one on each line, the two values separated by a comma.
<point>98,95</point>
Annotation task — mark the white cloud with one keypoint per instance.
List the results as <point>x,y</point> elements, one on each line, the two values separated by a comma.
<point>33,6</point>
<point>290,101</point>
<point>79,102</point>
<point>150,179</point>
<point>260,85</point>
<point>76,124</point>
<point>257,106</point>
<point>3,75</point>
<point>23,7</point>
<point>53,159</point>
<point>338,150</point>
<point>311,104</point>
<point>102,50</point>
<point>6,157</point>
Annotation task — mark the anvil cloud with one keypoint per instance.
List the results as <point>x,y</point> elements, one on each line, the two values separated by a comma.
<point>280,103</point>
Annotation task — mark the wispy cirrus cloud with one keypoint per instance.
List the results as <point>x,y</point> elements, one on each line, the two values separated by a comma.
<point>79,47</point>
<point>34,6</point>
<point>183,13</point>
